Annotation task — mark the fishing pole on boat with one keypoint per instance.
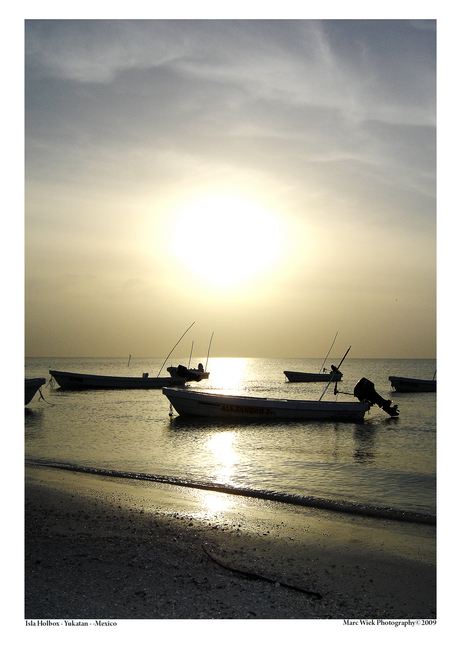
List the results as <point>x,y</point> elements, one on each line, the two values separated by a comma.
<point>209,349</point>
<point>190,358</point>
<point>334,374</point>
<point>325,359</point>
<point>175,347</point>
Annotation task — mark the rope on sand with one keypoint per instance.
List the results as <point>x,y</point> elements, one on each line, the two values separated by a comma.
<point>259,577</point>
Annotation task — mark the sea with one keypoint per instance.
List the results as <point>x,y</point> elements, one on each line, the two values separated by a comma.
<point>387,464</point>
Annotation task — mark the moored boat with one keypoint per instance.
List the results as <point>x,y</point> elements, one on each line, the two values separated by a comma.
<point>198,374</point>
<point>32,385</point>
<point>68,380</point>
<point>402,384</point>
<point>227,406</point>
<point>322,376</point>
<point>305,377</point>
<point>189,374</point>
<point>206,404</point>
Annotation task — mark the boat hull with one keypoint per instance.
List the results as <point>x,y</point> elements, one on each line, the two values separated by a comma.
<point>204,404</point>
<point>32,385</point>
<point>77,381</point>
<point>401,384</point>
<point>303,377</point>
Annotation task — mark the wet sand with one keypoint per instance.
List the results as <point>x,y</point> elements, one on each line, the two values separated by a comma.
<point>111,549</point>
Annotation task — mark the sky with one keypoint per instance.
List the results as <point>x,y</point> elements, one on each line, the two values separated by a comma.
<point>273,181</point>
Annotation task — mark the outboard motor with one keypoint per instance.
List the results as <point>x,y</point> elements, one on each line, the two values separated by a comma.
<point>365,392</point>
<point>183,372</point>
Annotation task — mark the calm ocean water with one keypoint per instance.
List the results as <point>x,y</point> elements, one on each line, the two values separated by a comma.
<point>384,462</point>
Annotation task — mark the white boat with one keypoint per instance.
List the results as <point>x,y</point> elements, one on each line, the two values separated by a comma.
<point>68,380</point>
<point>32,385</point>
<point>189,374</point>
<point>305,377</point>
<point>227,406</point>
<point>401,384</point>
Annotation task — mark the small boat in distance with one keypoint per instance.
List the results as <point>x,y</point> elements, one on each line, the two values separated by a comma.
<point>401,384</point>
<point>32,385</point>
<point>189,374</point>
<point>227,406</point>
<point>68,380</point>
<point>321,377</point>
<point>198,374</point>
<point>305,377</point>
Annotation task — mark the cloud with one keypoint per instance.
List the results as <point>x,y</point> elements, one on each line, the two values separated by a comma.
<point>92,51</point>
<point>337,64</point>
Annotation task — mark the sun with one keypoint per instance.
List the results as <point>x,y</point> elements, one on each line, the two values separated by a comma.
<point>226,239</point>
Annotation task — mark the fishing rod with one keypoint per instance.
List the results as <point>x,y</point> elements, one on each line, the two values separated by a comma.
<point>209,348</point>
<point>190,358</point>
<point>328,352</point>
<point>334,373</point>
<point>175,347</point>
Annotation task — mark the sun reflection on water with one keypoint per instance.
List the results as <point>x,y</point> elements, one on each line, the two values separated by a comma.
<point>225,456</point>
<point>228,373</point>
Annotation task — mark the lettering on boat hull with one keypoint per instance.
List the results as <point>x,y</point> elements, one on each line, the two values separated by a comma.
<point>247,410</point>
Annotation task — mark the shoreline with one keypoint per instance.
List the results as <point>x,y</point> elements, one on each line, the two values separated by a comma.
<point>350,508</point>
<point>104,548</point>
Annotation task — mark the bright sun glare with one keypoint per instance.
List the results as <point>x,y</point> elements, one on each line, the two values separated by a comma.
<point>226,239</point>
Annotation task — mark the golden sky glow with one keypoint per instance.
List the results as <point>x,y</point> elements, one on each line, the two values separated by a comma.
<point>273,181</point>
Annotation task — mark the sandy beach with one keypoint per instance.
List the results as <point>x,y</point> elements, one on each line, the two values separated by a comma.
<point>103,548</point>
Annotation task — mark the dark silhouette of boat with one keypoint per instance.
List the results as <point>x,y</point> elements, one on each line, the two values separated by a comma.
<point>32,385</point>
<point>68,380</point>
<point>401,384</point>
